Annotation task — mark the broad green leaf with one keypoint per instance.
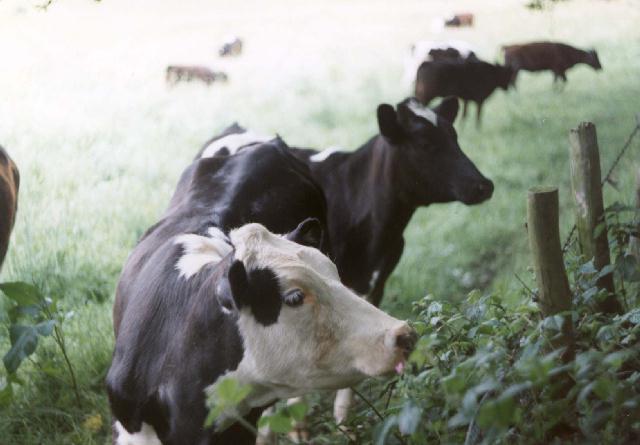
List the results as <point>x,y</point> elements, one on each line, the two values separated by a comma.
<point>298,411</point>
<point>280,423</point>
<point>381,431</point>
<point>409,418</point>
<point>22,293</point>
<point>24,340</point>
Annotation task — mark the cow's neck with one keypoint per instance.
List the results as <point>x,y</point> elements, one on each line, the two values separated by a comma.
<point>371,175</point>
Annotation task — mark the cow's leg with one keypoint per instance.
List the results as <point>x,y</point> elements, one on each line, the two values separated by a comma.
<point>479,115</point>
<point>265,435</point>
<point>300,433</point>
<point>342,404</point>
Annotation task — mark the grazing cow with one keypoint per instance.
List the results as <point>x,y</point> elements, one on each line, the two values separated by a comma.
<point>470,81</point>
<point>231,47</point>
<point>552,56</point>
<point>459,20</point>
<point>197,301</point>
<point>9,184</point>
<point>428,50</point>
<point>177,73</point>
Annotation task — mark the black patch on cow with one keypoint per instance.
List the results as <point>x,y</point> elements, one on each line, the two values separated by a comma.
<point>258,289</point>
<point>308,233</point>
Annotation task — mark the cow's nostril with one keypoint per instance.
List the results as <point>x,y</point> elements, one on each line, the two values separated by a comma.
<point>407,341</point>
<point>485,187</point>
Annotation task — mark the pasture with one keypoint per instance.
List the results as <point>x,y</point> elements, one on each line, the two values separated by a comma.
<point>100,141</point>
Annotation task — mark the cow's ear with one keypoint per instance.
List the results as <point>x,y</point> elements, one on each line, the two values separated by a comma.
<point>308,233</point>
<point>448,108</point>
<point>388,123</point>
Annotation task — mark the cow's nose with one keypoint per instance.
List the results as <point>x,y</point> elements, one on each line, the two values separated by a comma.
<point>485,188</point>
<point>406,339</point>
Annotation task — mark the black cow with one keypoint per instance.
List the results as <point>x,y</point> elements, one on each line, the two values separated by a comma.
<point>9,185</point>
<point>471,80</point>
<point>197,301</point>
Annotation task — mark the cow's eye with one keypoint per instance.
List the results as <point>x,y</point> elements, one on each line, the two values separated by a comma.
<point>294,298</point>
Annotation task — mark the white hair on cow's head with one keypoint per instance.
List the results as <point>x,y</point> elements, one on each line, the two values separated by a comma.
<point>424,112</point>
<point>198,250</point>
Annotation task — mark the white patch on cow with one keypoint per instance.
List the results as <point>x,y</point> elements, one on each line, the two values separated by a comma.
<point>201,250</point>
<point>146,436</point>
<point>424,112</point>
<point>234,142</point>
<point>333,340</point>
<point>324,154</point>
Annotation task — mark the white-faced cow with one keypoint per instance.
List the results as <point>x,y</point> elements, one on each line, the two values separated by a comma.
<point>197,301</point>
<point>9,185</point>
<point>373,191</point>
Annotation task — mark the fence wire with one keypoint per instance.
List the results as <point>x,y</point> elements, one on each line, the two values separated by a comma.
<point>607,177</point>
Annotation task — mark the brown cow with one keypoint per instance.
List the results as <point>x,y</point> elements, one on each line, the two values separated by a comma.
<point>9,183</point>
<point>459,20</point>
<point>177,73</point>
<point>552,56</point>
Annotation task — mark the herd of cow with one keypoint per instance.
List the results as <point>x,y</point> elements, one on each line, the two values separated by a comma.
<point>270,261</point>
<point>453,69</point>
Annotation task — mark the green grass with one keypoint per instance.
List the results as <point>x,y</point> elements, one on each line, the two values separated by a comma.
<point>100,142</point>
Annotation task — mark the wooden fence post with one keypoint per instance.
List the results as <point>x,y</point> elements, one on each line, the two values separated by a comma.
<point>634,242</point>
<point>544,240</point>
<point>587,193</point>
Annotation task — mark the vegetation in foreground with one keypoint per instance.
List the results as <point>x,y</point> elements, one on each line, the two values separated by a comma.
<point>100,142</point>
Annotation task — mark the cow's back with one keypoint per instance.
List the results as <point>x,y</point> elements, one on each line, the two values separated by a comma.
<point>536,56</point>
<point>9,184</point>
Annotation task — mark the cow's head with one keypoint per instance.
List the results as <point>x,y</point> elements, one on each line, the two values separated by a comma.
<point>504,76</point>
<point>430,165</point>
<point>593,60</point>
<point>302,329</point>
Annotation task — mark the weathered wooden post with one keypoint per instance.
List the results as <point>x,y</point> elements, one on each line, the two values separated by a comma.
<point>544,240</point>
<point>587,193</point>
<point>634,242</point>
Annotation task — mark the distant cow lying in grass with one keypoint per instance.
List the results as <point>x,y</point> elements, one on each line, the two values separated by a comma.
<point>231,47</point>
<point>472,80</point>
<point>9,184</point>
<point>551,56</point>
<point>177,73</point>
<point>459,20</point>
<point>197,301</point>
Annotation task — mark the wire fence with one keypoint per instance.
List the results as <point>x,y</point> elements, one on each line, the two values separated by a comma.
<point>607,177</point>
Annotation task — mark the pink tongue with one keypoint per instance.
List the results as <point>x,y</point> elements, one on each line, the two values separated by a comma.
<point>400,368</point>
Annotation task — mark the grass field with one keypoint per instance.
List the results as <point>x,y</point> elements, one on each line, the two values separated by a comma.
<point>100,141</point>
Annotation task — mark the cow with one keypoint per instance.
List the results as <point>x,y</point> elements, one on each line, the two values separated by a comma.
<point>9,185</point>
<point>372,192</point>
<point>471,80</point>
<point>177,73</point>
<point>428,50</point>
<point>231,47</point>
<point>459,20</point>
<point>210,292</point>
<point>551,56</point>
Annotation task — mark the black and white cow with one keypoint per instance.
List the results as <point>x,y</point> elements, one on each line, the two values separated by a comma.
<point>197,301</point>
<point>373,191</point>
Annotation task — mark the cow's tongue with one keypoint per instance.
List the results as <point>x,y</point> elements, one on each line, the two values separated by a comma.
<point>399,367</point>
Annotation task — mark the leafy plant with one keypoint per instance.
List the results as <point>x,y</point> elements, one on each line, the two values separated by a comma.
<point>32,316</point>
